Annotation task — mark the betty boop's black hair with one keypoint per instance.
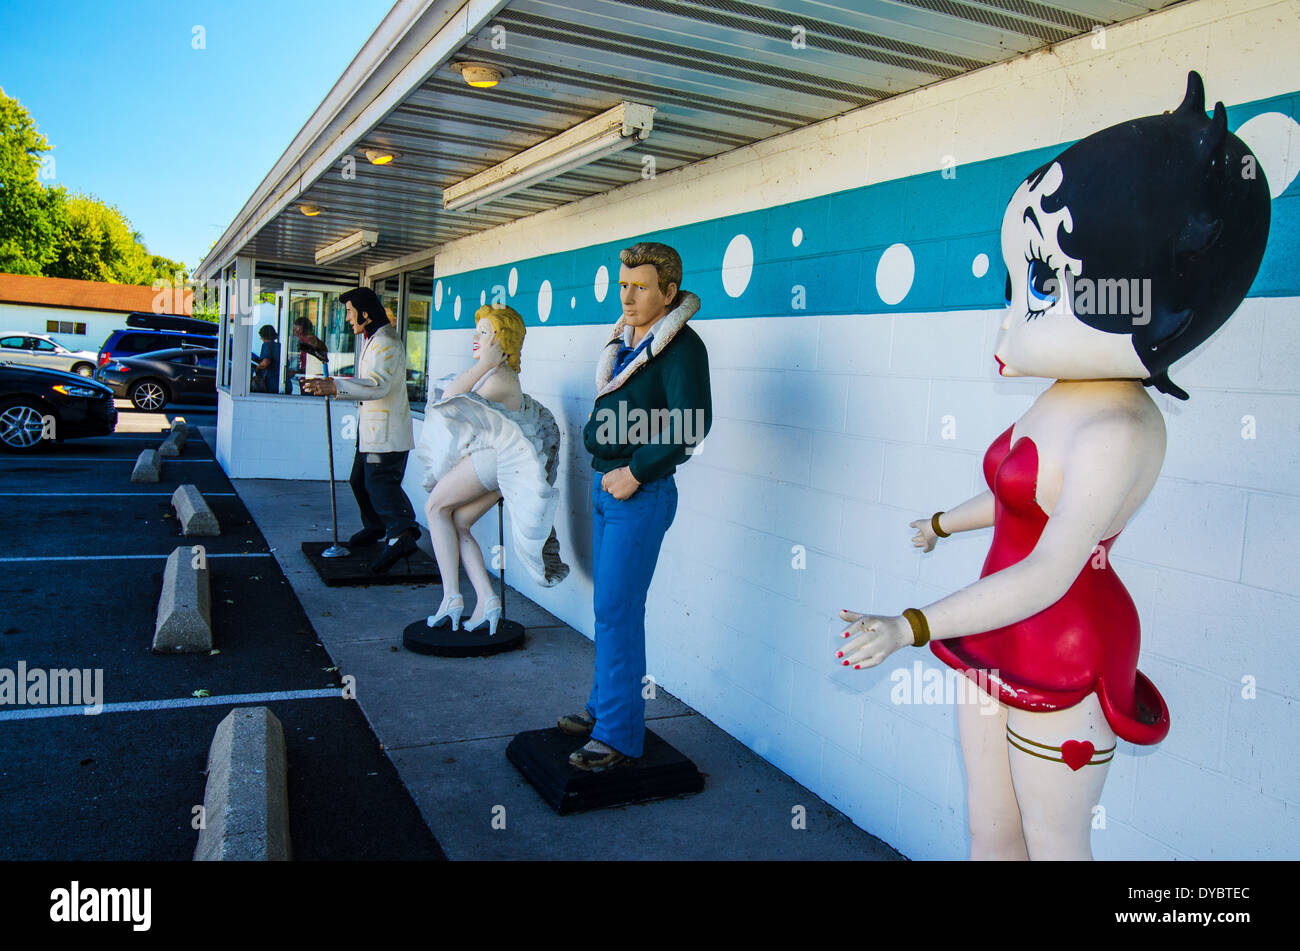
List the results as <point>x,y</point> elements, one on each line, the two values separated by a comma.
<point>1176,199</point>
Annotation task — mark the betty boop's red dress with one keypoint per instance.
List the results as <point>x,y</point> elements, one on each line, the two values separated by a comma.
<point>1084,643</point>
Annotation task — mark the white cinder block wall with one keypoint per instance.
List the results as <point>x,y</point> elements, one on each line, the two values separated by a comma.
<point>30,318</point>
<point>829,435</point>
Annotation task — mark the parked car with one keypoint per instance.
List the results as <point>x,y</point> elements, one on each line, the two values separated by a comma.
<point>131,342</point>
<point>36,404</point>
<point>152,380</point>
<point>37,350</point>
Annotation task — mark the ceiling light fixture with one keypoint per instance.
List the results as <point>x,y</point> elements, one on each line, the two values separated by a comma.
<point>311,211</point>
<point>354,243</point>
<point>612,131</point>
<point>379,156</point>
<point>481,75</point>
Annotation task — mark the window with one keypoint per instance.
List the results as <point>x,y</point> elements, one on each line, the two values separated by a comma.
<point>12,343</point>
<point>317,318</point>
<point>419,303</point>
<point>44,346</point>
<point>141,343</point>
<point>227,324</point>
<point>64,327</point>
<point>388,292</point>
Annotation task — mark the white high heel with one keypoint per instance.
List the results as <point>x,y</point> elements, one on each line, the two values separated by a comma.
<point>491,614</point>
<point>450,603</point>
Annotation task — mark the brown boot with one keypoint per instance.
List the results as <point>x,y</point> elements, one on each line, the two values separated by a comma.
<point>576,724</point>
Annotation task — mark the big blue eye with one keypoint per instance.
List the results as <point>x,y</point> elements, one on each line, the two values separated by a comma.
<point>1042,282</point>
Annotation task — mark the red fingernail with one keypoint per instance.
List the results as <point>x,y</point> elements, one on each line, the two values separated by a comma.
<point>857,666</point>
<point>839,653</point>
<point>845,634</point>
<point>846,663</point>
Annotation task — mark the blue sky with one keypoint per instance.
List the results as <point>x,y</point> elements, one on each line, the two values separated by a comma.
<point>176,137</point>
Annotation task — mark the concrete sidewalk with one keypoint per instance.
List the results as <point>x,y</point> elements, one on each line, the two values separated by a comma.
<point>445,724</point>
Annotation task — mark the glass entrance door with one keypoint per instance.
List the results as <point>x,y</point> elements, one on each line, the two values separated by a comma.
<point>319,314</point>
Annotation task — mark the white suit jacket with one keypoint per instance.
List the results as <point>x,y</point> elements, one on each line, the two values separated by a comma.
<point>380,387</point>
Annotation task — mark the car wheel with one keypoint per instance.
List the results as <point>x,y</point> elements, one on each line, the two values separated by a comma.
<point>84,369</point>
<point>148,395</point>
<point>22,423</point>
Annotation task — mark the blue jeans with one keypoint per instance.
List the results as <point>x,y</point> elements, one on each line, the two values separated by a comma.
<point>626,537</point>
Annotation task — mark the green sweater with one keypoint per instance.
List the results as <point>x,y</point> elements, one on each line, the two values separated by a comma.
<point>659,413</point>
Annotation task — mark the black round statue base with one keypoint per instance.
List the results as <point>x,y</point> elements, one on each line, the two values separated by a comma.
<point>442,641</point>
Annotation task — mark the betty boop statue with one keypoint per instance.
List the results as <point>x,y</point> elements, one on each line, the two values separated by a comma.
<point>1123,254</point>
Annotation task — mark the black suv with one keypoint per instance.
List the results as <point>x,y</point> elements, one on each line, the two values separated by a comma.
<point>146,333</point>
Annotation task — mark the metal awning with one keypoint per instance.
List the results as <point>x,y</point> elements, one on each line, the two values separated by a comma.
<point>722,74</point>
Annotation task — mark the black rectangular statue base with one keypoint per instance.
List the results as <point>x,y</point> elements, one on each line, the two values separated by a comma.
<point>543,757</point>
<point>354,568</point>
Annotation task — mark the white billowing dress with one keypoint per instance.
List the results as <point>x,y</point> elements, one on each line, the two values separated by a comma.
<point>526,445</point>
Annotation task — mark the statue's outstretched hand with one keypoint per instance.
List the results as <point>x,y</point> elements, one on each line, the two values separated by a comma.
<point>925,537</point>
<point>870,639</point>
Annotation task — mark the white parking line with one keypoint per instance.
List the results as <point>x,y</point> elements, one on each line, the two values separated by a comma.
<point>137,706</point>
<point>232,554</point>
<point>96,495</point>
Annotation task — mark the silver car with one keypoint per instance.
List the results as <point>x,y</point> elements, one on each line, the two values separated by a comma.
<point>37,350</point>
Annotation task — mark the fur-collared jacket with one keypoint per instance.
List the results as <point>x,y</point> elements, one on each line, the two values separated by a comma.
<point>654,413</point>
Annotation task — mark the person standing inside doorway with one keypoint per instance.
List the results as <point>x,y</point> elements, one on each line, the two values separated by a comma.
<point>266,378</point>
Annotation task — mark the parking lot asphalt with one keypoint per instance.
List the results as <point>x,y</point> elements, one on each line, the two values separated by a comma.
<point>80,575</point>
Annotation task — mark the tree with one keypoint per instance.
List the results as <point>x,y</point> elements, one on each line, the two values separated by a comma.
<point>97,244</point>
<point>43,231</point>
<point>32,216</point>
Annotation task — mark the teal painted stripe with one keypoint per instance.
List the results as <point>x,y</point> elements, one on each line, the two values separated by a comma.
<point>945,222</point>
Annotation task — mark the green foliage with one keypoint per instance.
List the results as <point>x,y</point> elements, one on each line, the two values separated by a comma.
<point>44,231</point>
<point>32,217</point>
<point>99,245</point>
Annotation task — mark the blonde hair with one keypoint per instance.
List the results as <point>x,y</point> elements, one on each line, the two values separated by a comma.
<point>509,327</point>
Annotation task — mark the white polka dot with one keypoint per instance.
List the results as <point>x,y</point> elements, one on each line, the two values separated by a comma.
<point>544,301</point>
<point>737,266</point>
<point>512,284</point>
<point>437,296</point>
<point>796,239</point>
<point>482,298</point>
<point>894,273</point>
<point>980,266</point>
<point>601,287</point>
<point>573,302</point>
<point>1275,139</point>
<point>455,310</point>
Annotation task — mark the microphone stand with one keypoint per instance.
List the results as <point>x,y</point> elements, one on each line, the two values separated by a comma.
<point>335,550</point>
<point>501,540</point>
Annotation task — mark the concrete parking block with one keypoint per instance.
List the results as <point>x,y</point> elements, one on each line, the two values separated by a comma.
<point>173,444</point>
<point>184,622</point>
<point>147,467</point>
<point>192,509</point>
<point>246,801</point>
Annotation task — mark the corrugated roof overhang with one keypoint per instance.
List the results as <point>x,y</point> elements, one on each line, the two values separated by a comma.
<point>722,75</point>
